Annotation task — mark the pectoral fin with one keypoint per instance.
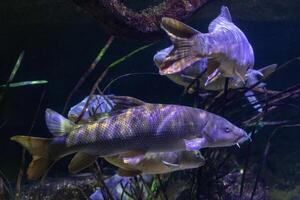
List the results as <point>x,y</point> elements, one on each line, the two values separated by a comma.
<point>172,165</point>
<point>123,172</point>
<point>133,157</point>
<point>133,160</point>
<point>195,144</point>
<point>80,161</point>
<point>213,71</point>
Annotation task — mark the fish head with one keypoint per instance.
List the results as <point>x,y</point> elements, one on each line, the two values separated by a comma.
<point>219,132</point>
<point>191,159</point>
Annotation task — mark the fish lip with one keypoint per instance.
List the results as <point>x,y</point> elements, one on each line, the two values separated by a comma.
<point>243,138</point>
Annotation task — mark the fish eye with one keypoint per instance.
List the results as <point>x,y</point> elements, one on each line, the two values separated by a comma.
<point>227,130</point>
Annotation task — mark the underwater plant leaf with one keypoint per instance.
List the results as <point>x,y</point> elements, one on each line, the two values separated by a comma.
<point>89,71</point>
<point>16,67</point>
<point>127,75</point>
<point>24,83</point>
<point>103,50</point>
<point>129,55</point>
<point>105,72</point>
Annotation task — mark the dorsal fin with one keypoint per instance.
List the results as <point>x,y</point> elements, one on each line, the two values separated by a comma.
<point>125,102</point>
<point>176,28</point>
<point>57,124</point>
<point>225,13</point>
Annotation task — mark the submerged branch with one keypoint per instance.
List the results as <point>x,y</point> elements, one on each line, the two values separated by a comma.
<point>122,21</point>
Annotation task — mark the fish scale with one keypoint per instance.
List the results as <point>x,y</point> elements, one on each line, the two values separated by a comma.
<point>137,127</point>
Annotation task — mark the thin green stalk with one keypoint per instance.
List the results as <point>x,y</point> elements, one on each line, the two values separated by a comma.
<point>89,71</point>
<point>101,77</point>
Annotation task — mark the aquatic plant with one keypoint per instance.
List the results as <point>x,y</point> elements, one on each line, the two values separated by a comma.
<point>10,84</point>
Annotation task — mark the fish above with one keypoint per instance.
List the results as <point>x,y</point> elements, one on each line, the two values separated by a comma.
<point>198,70</point>
<point>152,163</point>
<point>189,74</point>
<point>226,48</point>
<point>149,128</point>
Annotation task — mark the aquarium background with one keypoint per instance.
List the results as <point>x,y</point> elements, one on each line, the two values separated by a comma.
<point>60,42</point>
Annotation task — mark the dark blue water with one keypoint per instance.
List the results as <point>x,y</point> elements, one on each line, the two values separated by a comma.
<point>61,53</point>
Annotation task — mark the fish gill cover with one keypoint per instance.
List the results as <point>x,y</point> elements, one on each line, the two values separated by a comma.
<point>135,149</point>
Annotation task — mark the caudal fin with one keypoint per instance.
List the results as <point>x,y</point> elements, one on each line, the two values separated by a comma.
<point>253,101</point>
<point>184,52</point>
<point>39,149</point>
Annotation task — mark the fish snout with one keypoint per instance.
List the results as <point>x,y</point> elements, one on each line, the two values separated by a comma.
<point>243,137</point>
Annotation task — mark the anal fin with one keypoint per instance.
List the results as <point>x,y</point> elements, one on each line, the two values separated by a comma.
<point>80,161</point>
<point>133,157</point>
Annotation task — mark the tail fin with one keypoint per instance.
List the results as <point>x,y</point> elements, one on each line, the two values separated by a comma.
<point>268,70</point>
<point>39,149</point>
<point>183,54</point>
<point>253,100</point>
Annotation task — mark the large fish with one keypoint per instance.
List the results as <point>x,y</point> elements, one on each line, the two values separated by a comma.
<point>142,129</point>
<point>225,46</point>
<point>187,75</point>
<point>152,163</point>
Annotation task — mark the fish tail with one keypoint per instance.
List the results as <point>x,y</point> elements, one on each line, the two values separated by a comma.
<point>39,149</point>
<point>184,52</point>
<point>253,101</point>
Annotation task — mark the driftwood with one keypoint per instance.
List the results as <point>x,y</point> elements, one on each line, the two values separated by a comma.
<point>122,21</point>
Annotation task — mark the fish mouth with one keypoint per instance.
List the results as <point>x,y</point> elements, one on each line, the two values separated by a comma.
<point>243,138</point>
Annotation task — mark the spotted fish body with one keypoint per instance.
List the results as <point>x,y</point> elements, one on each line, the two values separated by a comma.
<point>153,163</point>
<point>146,128</point>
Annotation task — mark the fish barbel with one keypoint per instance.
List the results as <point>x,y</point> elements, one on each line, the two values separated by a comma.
<point>141,129</point>
<point>226,47</point>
